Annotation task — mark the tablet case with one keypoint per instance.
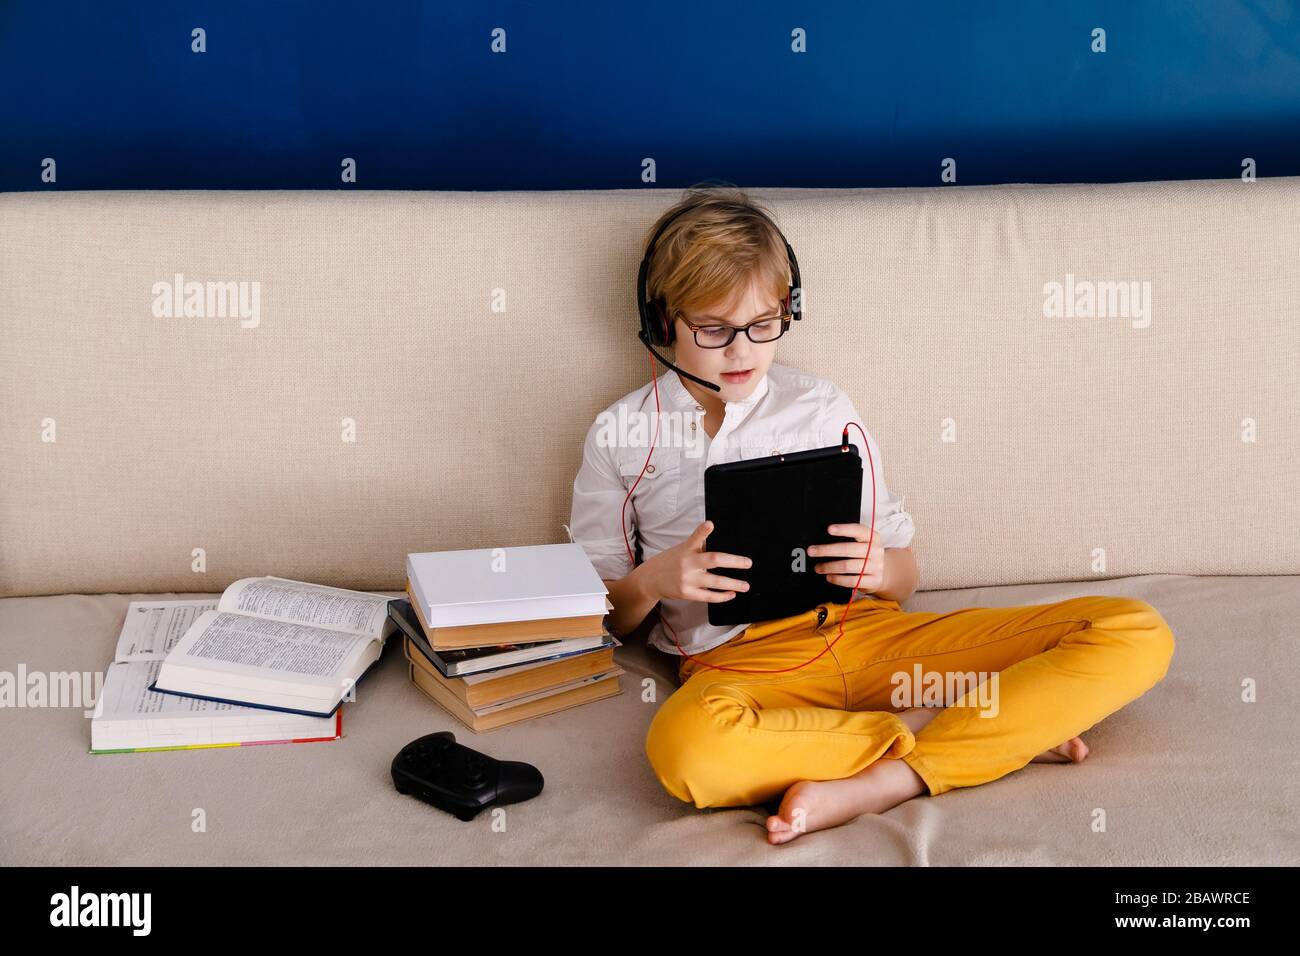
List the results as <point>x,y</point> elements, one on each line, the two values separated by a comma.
<point>765,508</point>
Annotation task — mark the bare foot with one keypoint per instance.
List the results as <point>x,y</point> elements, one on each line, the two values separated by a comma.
<point>1072,751</point>
<point>818,804</point>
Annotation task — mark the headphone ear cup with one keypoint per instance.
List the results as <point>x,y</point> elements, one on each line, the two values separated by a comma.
<point>662,330</point>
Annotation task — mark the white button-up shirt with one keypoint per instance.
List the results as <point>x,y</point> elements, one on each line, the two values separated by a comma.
<point>788,411</point>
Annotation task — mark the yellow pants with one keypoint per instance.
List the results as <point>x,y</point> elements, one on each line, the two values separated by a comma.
<point>1035,676</point>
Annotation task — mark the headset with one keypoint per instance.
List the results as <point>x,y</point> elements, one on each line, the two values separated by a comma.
<point>657,329</point>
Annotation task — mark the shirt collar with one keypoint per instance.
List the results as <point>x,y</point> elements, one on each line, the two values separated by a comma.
<point>678,394</point>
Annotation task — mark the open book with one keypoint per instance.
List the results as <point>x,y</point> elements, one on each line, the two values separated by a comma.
<point>129,717</point>
<point>278,644</point>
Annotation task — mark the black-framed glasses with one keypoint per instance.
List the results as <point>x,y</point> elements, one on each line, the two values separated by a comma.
<point>767,329</point>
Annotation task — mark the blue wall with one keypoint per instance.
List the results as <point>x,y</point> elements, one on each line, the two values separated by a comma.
<point>412,91</point>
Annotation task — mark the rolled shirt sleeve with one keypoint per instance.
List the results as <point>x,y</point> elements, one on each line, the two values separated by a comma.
<point>894,526</point>
<point>594,520</point>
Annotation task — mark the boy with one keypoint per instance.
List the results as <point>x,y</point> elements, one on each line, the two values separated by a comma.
<point>757,718</point>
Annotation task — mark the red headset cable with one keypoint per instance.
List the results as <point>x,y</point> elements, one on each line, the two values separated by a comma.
<point>871,536</point>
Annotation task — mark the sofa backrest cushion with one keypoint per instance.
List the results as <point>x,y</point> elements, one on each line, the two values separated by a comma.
<point>466,341</point>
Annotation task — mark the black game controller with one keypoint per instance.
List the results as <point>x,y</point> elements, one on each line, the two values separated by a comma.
<point>452,777</point>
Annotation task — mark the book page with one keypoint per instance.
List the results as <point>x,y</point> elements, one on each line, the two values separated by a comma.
<point>254,646</point>
<point>153,628</point>
<point>130,716</point>
<point>126,694</point>
<point>333,609</point>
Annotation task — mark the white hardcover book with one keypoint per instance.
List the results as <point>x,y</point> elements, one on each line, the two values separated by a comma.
<point>496,585</point>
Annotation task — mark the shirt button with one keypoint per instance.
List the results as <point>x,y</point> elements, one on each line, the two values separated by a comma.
<point>699,408</point>
<point>692,426</point>
<point>650,468</point>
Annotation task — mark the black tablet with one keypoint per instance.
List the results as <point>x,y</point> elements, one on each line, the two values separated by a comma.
<point>765,509</point>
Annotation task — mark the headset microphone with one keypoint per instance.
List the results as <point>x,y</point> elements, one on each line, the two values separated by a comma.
<point>680,371</point>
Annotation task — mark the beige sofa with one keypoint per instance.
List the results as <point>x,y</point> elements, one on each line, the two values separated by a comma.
<point>1042,457</point>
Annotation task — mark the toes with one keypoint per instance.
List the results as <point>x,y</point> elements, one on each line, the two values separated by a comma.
<point>1051,756</point>
<point>793,804</point>
<point>794,799</point>
<point>1072,751</point>
<point>781,836</point>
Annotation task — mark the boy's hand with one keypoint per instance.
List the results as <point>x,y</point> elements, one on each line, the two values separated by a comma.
<point>682,571</point>
<point>844,572</point>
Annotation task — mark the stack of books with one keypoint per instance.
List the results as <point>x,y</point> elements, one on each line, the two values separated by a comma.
<point>500,635</point>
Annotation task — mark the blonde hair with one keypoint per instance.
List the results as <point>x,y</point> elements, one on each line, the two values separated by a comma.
<point>722,241</point>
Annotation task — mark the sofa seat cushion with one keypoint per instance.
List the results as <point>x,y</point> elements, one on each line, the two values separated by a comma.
<point>1188,774</point>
